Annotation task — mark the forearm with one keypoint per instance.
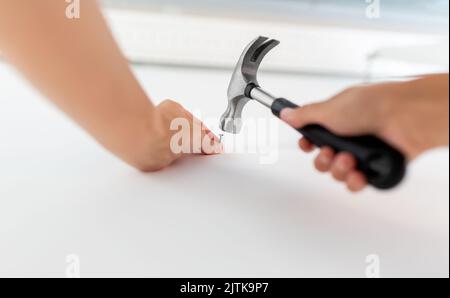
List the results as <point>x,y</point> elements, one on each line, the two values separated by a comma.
<point>419,114</point>
<point>435,91</point>
<point>77,64</point>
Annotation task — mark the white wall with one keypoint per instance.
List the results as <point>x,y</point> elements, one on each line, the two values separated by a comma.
<point>206,41</point>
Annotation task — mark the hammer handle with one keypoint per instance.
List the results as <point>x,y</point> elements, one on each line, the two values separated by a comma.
<point>383,165</point>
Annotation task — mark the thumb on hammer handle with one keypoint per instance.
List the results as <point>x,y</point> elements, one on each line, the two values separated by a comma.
<point>383,165</point>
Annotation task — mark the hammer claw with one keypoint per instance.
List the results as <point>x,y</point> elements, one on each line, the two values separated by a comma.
<point>262,50</point>
<point>245,74</point>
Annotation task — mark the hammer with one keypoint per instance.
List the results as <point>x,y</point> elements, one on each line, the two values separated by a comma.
<point>383,165</point>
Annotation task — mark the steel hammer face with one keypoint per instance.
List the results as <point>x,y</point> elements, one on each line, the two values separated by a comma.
<point>243,80</point>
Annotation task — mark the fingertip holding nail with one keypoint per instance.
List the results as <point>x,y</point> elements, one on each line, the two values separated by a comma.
<point>213,137</point>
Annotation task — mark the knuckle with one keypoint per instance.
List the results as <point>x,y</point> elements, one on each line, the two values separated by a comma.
<point>346,92</point>
<point>168,106</point>
<point>358,92</point>
<point>171,104</point>
<point>166,102</point>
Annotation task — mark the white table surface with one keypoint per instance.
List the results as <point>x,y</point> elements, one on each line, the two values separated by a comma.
<point>224,216</point>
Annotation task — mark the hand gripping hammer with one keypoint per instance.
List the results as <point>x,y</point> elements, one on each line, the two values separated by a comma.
<point>383,165</point>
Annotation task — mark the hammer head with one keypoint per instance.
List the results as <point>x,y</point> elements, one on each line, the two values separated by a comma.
<point>244,77</point>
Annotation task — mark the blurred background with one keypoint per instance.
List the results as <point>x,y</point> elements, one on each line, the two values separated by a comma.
<point>363,38</point>
<point>415,12</point>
